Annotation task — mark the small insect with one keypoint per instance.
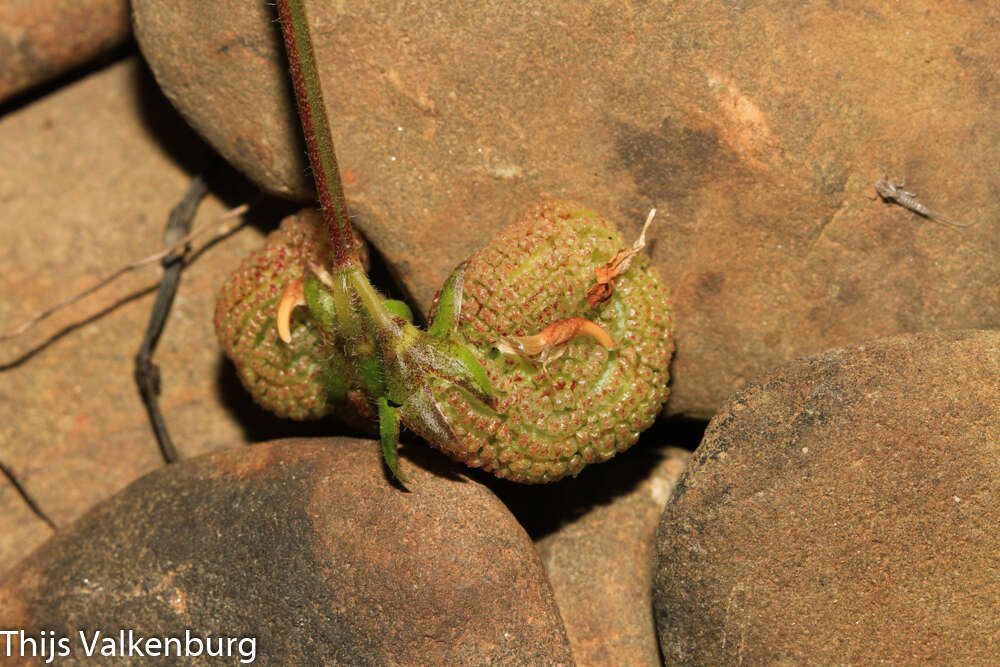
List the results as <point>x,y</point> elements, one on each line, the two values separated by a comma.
<point>891,191</point>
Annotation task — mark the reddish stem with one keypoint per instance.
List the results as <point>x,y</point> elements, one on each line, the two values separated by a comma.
<point>316,128</point>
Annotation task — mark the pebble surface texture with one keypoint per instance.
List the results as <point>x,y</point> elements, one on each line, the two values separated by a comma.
<point>600,564</point>
<point>90,175</point>
<point>40,39</point>
<point>308,547</point>
<point>757,137</point>
<point>843,509</point>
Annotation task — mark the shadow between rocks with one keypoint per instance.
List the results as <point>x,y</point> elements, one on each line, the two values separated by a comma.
<point>258,424</point>
<point>542,509</point>
<point>166,126</point>
<point>30,95</point>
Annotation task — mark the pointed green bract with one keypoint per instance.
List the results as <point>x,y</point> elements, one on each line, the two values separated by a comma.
<point>399,308</point>
<point>449,304</point>
<point>388,428</point>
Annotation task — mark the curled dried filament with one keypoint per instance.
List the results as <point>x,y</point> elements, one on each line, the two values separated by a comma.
<point>293,296</point>
<point>549,343</point>
<point>608,272</point>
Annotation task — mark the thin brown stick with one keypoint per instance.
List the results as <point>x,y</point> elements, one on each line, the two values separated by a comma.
<point>28,499</point>
<point>180,246</point>
<point>147,373</point>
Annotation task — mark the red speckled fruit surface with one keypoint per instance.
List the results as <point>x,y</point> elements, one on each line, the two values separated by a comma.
<point>287,379</point>
<point>590,403</point>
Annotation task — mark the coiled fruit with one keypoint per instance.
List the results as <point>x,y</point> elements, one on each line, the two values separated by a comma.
<point>298,380</point>
<point>542,421</point>
<point>590,402</point>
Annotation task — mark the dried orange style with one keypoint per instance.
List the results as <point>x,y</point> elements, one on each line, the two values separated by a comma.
<point>608,273</point>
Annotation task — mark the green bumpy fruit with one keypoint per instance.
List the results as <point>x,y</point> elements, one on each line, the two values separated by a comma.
<point>297,380</point>
<point>522,420</point>
<point>586,405</point>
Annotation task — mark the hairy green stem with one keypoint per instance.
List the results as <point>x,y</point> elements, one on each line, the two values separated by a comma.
<point>316,128</point>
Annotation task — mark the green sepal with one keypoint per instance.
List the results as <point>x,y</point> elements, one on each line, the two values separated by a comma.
<point>320,302</point>
<point>399,308</point>
<point>460,365</point>
<point>388,429</point>
<point>469,368</point>
<point>335,379</point>
<point>449,305</point>
<point>370,371</point>
<point>419,356</point>
<point>422,415</point>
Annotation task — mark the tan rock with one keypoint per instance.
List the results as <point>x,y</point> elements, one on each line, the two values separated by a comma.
<point>40,39</point>
<point>843,509</point>
<point>757,135</point>
<point>600,564</point>
<point>89,176</point>
<point>307,547</point>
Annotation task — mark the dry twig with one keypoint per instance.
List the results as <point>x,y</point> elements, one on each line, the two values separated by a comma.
<point>232,220</point>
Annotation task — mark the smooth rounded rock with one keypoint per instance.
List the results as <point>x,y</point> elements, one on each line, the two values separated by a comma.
<point>843,509</point>
<point>241,76</point>
<point>90,175</point>
<point>757,136</point>
<point>307,547</point>
<point>600,563</point>
<point>40,39</point>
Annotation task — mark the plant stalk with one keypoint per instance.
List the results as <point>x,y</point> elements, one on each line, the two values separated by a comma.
<point>316,128</point>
